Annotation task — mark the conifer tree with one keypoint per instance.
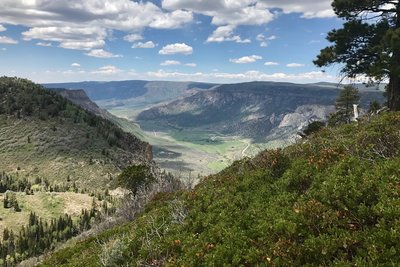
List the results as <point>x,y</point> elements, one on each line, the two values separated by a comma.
<point>368,43</point>
<point>344,105</point>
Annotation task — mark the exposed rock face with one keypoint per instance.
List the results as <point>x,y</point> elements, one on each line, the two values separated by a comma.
<point>305,114</point>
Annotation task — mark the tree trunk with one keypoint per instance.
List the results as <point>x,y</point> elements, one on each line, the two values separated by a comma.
<point>394,79</point>
<point>394,93</point>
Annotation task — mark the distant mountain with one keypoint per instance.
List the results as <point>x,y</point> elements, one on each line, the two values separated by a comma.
<point>359,86</point>
<point>80,98</point>
<point>148,91</point>
<point>250,109</point>
<point>42,134</point>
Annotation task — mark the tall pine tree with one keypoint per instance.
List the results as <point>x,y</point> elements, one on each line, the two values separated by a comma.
<point>368,43</point>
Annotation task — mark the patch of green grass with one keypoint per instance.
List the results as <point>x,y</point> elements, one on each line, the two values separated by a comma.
<point>45,204</point>
<point>53,204</point>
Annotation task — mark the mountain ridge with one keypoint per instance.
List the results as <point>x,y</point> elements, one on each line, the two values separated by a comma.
<point>248,109</point>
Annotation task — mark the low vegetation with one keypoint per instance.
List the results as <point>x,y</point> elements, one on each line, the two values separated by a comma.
<point>332,199</point>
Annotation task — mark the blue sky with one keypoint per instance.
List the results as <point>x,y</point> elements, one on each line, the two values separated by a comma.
<point>183,40</point>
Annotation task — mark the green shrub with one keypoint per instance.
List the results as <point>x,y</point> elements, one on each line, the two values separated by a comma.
<point>112,253</point>
<point>313,127</point>
<point>135,177</point>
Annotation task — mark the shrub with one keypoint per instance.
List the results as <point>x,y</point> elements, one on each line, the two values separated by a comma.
<point>112,253</point>
<point>135,177</point>
<point>313,127</point>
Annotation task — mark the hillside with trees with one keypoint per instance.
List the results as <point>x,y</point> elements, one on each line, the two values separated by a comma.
<point>45,135</point>
<point>37,216</point>
<point>58,163</point>
<point>331,199</point>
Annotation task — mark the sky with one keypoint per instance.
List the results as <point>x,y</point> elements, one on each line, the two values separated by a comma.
<point>222,41</point>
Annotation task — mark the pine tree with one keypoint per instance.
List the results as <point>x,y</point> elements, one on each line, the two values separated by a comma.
<point>368,43</point>
<point>344,106</point>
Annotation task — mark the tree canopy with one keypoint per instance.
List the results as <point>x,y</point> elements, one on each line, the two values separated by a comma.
<point>368,44</point>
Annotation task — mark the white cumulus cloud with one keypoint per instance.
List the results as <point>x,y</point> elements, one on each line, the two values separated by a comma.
<point>170,62</point>
<point>250,12</point>
<point>253,75</point>
<point>245,60</point>
<point>246,11</point>
<point>87,24</point>
<point>2,28</point>
<point>108,70</point>
<point>264,39</point>
<point>223,12</point>
<point>308,8</point>
<point>172,20</point>
<point>76,65</point>
<point>271,63</point>
<point>43,44</point>
<point>294,65</point>
<point>148,44</point>
<point>7,40</point>
<point>177,48</point>
<point>100,53</point>
<point>133,37</point>
<point>225,33</point>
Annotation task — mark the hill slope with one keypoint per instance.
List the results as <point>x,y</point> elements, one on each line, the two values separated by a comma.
<point>45,135</point>
<point>332,200</point>
<point>250,110</point>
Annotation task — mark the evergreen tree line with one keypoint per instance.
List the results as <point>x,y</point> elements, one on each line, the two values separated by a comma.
<point>16,184</point>
<point>40,236</point>
<point>35,238</point>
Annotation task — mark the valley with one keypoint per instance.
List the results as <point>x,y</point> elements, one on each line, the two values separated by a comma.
<point>63,155</point>
<point>199,129</point>
<point>199,133</point>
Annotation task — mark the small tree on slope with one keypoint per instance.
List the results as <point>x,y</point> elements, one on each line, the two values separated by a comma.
<point>344,106</point>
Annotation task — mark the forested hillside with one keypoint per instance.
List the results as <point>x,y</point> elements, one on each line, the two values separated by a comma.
<point>332,199</point>
<point>45,135</point>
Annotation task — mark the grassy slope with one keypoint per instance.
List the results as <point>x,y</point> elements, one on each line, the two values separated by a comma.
<point>332,200</point>
<point>43,134</point>
<point>56,150</point>
<point>46,205</point>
